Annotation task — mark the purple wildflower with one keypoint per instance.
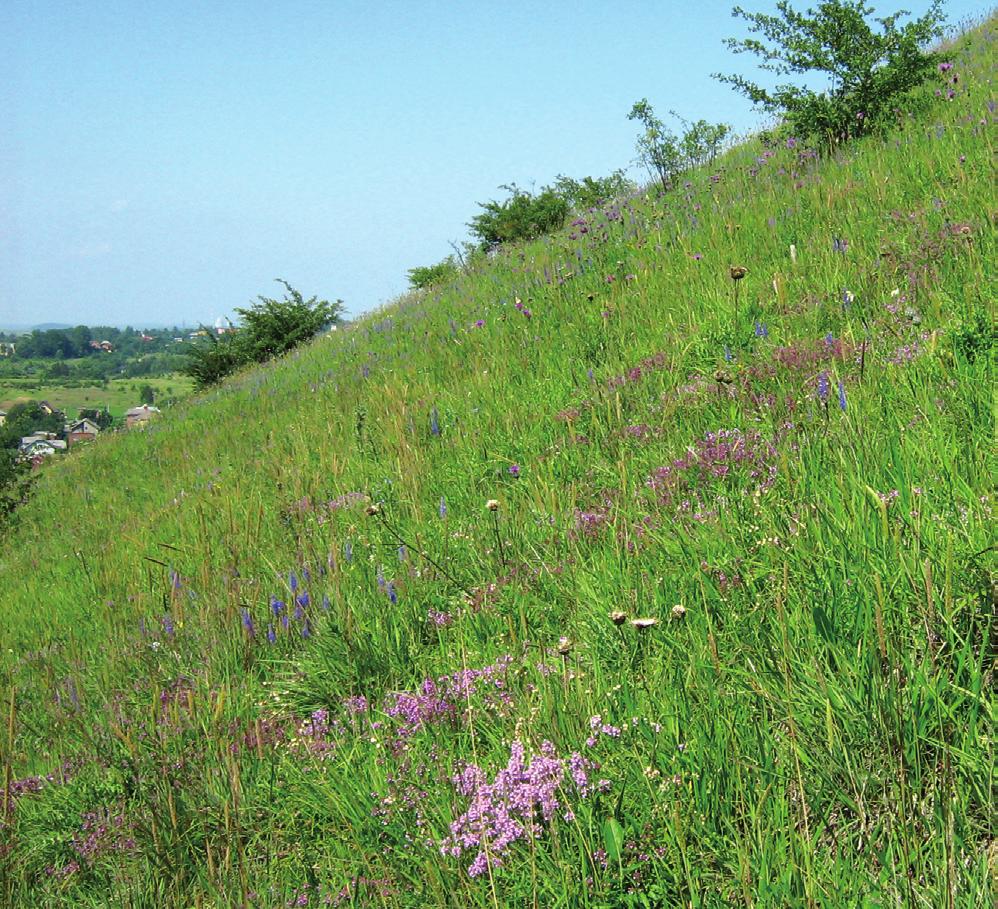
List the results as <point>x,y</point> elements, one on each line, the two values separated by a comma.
<point>248,623</point>
<point>842,395</point>
<point>434,422</point>
<point>293,581</point>
<point>514,470</point>
<point>823,387</point>
<point>761,331</point>
<point>271,634</point>
<point>443,507</point>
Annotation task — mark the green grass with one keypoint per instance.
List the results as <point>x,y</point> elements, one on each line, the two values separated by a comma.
<point>117,397</point>
<point>814,727</point>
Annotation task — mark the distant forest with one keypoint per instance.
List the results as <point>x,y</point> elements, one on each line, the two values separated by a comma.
<point>92,353</point>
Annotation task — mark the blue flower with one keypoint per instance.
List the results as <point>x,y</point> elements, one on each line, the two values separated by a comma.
<point>761,331</point>
<point>443,507</point>
<point>842,396</point>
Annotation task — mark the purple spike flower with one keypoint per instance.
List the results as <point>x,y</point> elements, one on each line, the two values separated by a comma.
<point>443,507</point>
<point>304,600</point>
<point>271,634</point>
<point>823,388</point>
<point>761,331</point>
<point>348,551</point>
<point>392,593</point>
<point>842,395</point>
<point>248,623</point>
<point>434,422</point>
<point>276,605</point>
<point>168,626</point>
<point>325,602</point>
<point>293,581</point>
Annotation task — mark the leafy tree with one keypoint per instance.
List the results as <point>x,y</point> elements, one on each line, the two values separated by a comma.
<point>26,418</point>
<point>590,192</point>
<point>269,328</point>
<point>868,71</point>
<point>100,416</point>
<point>429,275</point>
<point>273,327</point>
<point>658,148</point>
<point>523,216</point>
<point>213,358</point>
<point>146,394</point>
<point>666,155</point>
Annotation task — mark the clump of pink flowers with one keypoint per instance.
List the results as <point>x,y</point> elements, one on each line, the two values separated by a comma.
<point>517,805</point>
<point>718,456</point>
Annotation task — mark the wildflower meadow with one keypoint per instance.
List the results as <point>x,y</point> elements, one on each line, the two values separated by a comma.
<point>646,563</point>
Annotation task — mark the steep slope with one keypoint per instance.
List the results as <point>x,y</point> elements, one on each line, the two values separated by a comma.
<point>228,683</point>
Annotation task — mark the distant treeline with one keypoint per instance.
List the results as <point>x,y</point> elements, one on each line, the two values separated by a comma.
<point>88,354</point>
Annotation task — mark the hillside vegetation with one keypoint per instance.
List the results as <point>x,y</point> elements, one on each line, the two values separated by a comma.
<point>593,577</point>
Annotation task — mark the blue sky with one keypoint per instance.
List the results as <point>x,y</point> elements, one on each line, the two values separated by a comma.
<point>163,162</point>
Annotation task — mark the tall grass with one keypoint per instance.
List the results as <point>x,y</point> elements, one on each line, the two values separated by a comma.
<point>278,649</point>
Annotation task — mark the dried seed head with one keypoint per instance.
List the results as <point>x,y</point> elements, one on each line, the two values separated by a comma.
<point>492,504</point>
<point>373,509</point>
<point>737,272</point>
<point>678,611</point>
<point>565,646</point>
<point>642,624</point>
<point>618,617</point>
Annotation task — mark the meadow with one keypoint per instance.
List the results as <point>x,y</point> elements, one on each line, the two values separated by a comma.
<point>596,577</point>
<point>117,396</point>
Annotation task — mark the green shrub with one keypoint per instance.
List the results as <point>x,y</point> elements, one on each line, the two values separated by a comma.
<point>428,275</point>
<point>523,216</point>
<point>273,327</point>
<point>666,155</point>
<point>868,71</point>
<point>269,328</point>
<point>590,192</point>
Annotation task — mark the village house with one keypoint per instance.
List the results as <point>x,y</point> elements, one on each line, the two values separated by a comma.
<point>142,414</point>
<point>37,447</point>
<point>81,431</point>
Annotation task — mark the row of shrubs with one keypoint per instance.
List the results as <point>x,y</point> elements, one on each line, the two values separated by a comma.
<point>871,65</point>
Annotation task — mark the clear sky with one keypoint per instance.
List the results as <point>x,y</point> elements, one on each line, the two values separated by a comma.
<point>162,161</point>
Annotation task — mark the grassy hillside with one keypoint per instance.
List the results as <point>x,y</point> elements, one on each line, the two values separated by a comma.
<point>226,683</point>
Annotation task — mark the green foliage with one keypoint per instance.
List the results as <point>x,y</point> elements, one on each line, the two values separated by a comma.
<point>869,71</point>
<point>269,329</point>
<point>977,336</point>
<point>97,415</point>
<point>667,155</point>
<point>591,192</point>
<point>212,358</point>
<point>523,216</point>
<point>422,277</point>
<point>272,327</point>
<point>147,395</point>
